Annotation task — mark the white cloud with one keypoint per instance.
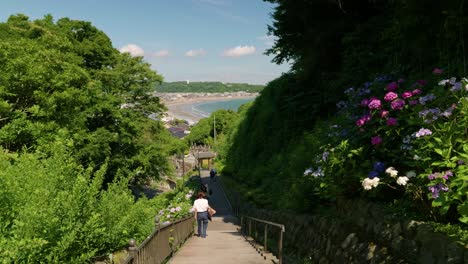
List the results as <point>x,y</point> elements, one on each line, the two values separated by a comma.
<point>239,51</point>
<point>133,49</point>
<point>161,53</point>
<point>195,53</point>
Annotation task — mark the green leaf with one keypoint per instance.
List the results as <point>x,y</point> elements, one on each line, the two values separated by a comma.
<point>463,211</point>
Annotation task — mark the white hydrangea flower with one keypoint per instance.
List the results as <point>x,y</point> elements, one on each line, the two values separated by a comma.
<point>411,174</point>
<point>393,173</point>
<point>444,82</point>
<point>375,182</point>
<point>402,180</point>
<point>368,184</point>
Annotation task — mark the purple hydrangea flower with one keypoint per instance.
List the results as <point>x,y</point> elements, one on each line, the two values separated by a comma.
<point>392,121</point>
<point>423,132</point>
<point>447,175</point>
<point>435,189</point>
<point>391,87</point>
<point>398,104</point>
<point>365,102</point>
<point>424,99</point>
<point>376,140</point>
<point>422,82</point>
<point>456,87</point>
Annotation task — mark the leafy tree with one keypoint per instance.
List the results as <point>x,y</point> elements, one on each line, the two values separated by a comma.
<point>204,131</point>
<point>64,80</point>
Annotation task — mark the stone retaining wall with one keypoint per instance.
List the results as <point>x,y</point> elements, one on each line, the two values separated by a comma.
<point>360,232</point>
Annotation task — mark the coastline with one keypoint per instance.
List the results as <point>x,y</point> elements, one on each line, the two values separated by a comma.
<point>182,105</point>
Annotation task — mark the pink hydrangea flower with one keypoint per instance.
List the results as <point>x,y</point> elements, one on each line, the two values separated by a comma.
<point>413,102</point>
<point>366,117</point>
<point>360,122</point>
<point>374,104</point>
<point>391,87</point>
<point>384,113</point>
<point>406,95</point>
<point>392,121</point>
<point>437,71</point>
<point>363,120</point>
<point>390,96</point>
<point>416,91</point>
<point>398,104</point>
<point>376,140</point>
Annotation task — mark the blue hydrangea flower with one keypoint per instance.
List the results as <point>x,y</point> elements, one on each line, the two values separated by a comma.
<point>379,166</point>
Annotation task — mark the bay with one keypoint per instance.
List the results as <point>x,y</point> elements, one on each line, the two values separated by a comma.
<point>205,109</point>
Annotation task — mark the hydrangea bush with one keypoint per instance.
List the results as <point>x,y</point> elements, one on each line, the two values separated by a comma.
<point>406,136</point>
<point>178,208</point>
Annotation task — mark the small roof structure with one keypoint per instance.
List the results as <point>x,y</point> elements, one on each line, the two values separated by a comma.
<point>204,155</point>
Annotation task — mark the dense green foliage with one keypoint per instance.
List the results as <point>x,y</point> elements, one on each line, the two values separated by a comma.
<point>74,131</point>
<point>219,123</point>
<point>54,211</point>
<point>334,45</point>
<point>65,81</point>
<point>206,87</point>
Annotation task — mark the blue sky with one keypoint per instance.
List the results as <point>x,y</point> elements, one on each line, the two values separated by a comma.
<point>196,40</point>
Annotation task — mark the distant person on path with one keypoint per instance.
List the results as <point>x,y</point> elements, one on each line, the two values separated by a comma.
<point>200,207</point>
<point>213,175</point>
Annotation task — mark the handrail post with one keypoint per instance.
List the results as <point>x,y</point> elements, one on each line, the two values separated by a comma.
<point>241,224</point>
<point>280,247</point>
<point>265,233</point>
<point>132,249</point>
<point>250,227</point>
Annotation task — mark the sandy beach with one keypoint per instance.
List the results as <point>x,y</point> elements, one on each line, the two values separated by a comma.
<point>182,106</point>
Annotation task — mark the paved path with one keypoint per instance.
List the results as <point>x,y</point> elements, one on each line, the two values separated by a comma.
<point>223,243</point>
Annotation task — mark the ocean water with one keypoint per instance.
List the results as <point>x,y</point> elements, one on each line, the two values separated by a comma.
<point>205,109</point>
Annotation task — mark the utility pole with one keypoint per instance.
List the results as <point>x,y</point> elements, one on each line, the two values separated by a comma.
<point>183,165</point>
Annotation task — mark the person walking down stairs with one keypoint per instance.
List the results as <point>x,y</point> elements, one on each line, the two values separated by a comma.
<point>201,207</point>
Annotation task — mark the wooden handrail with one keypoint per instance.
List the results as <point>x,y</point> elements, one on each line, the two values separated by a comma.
<point>265,239</point>
<point>162,242</point>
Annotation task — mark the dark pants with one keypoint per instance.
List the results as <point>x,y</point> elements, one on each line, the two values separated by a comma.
<point>202,221</point>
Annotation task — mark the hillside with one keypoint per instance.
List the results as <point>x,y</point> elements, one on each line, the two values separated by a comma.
<point>206,87</point>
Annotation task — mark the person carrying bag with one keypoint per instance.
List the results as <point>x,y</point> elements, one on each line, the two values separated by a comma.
<point>211,212</point>
<point>201,209</point>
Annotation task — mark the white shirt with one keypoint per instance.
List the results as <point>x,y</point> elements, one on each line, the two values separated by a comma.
<point>200,205</point>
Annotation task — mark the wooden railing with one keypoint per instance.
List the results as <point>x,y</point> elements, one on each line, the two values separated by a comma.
<point>162,243</point>
<point>256,230</point>
<point>261,234</point>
